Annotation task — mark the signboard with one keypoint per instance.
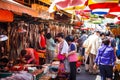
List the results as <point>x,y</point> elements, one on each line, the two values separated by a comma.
<point>42,11</point>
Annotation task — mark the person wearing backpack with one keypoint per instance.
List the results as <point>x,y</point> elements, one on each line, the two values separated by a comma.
<point>105,59</point>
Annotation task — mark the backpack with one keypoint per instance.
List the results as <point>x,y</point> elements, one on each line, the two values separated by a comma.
<point>118,50</point>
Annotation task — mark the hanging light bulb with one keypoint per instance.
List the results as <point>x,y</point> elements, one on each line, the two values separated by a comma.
<point>3,37</point>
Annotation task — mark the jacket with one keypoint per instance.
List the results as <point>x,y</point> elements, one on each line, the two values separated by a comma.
<point>105,55</point>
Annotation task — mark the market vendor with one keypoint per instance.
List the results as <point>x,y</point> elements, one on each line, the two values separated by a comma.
<point>42,40</point>
<point>30,56</point>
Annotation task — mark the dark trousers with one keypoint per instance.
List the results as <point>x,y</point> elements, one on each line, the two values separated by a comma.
<point>106,71</point>
<point>83,51</point>
<point>72,71</point>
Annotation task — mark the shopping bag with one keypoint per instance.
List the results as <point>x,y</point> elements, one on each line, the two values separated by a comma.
<point>61,56</point>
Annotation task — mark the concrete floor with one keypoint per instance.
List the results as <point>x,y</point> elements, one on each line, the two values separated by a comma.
<point>85,76</point>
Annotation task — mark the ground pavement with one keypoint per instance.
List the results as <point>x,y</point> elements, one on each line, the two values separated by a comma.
<point>85,76</point>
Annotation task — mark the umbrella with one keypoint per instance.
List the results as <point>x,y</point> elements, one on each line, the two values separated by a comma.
<point>110,16</point>
<point>85,13</point>
<point>118,22</point>
<point>101,7</point>
<point>118,18</point>
<point>115,10</point>
<point>100,11</point>
<point>62,4</point>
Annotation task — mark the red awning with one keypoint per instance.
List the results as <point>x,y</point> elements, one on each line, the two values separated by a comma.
<point>6,16</point>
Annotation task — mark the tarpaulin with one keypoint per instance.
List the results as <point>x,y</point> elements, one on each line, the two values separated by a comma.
<point>94,4</point>
<point>102,5</point>
<point>102,1</point>
<point>62,4</point>
<point>6,16</point>
<point>67,3</point>
<point>115,10</point>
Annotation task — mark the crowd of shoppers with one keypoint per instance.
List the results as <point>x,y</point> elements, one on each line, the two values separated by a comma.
<point>98,51</point>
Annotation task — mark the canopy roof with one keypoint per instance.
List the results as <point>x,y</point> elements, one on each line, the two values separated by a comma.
<point>97,6</point>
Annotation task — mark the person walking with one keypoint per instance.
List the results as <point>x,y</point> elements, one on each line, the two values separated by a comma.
<point>91,50</point>
<point>105,59</point>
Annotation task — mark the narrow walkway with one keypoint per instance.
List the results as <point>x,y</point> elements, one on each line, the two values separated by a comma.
<point>85,76</point>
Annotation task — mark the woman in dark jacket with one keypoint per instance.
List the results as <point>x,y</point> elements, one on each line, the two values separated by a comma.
<point>105,59</point>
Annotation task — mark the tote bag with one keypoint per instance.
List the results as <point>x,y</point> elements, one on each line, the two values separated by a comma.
<point>60,56</point>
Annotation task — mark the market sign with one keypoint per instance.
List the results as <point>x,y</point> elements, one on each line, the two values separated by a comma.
<point>42,11</point>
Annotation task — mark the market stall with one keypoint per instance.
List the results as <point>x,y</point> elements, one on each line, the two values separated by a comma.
<point>24,33</point>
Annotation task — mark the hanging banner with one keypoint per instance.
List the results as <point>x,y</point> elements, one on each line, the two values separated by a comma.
<point>6,16</point>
